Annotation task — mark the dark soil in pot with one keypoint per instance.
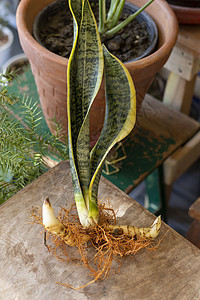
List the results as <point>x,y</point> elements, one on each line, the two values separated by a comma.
<point>3,38</point>
<point>19,67</point>
<point>53,28</point>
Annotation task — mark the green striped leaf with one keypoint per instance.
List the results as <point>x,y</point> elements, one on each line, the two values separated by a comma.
<point>120,118</point>
<point>85,70</point>
<point>73,126</point>
<point>91,65</point>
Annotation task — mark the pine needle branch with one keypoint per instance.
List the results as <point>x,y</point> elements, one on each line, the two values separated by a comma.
<point>23,148</point>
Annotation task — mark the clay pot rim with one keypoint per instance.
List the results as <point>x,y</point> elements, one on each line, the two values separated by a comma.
<point>21,11</point>
<point>187,15</point>
<point>167,45</point>
<point>188,9</point>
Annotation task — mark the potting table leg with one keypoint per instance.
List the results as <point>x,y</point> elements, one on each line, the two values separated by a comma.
<point>184,65</point>
<point>179,92</point>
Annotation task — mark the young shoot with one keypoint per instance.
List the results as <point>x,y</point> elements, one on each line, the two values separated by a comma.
<point>108,24</point>
<point>54,226</point>
<point>87,63</point>
<point>96,223</point>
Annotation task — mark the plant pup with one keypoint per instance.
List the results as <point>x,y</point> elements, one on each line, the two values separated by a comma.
<point>87,63</point>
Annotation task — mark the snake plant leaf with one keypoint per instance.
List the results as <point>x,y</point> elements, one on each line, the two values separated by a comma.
<point>73,127</point>
<point>76,10</point>
<point>85,71</point>
<point>120,117</point>
<point>90,64</point>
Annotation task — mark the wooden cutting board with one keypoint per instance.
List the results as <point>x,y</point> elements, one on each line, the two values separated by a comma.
<point>28,271</point>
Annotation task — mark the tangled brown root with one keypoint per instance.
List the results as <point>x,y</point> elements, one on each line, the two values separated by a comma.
<point>108,247</point>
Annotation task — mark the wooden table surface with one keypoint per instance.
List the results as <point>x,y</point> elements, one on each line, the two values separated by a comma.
<point>29,272</point>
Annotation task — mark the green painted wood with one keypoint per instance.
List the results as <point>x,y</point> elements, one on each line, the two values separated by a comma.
<point>144,152</point>
<point>159,132</point>
<point>153,201</point>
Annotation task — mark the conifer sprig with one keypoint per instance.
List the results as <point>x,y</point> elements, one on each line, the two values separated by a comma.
<point>24,146</point>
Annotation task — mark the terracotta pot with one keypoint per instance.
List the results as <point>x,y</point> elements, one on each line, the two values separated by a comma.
<point>188,14</point>
<point>185,3</point>
<point>49,69</point>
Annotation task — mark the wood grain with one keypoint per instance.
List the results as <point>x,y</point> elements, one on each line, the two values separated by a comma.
<point>189,38</point>
<point>183,63</point>
<point>179,93</point>
<point>194,210</point>
<point>29,272</point>
<point>193,234</point>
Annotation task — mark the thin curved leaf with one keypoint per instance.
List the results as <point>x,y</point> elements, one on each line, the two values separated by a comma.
<point>90,63</point>
<point>73,126</point>
<point>120,117</point>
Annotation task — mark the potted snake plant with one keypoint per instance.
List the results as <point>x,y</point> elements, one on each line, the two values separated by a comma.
<point>49,69</point>
<point>88,61</point>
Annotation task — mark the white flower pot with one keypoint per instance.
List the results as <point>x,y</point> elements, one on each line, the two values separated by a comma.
<point>20,58</point>
<point>6,48</point>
